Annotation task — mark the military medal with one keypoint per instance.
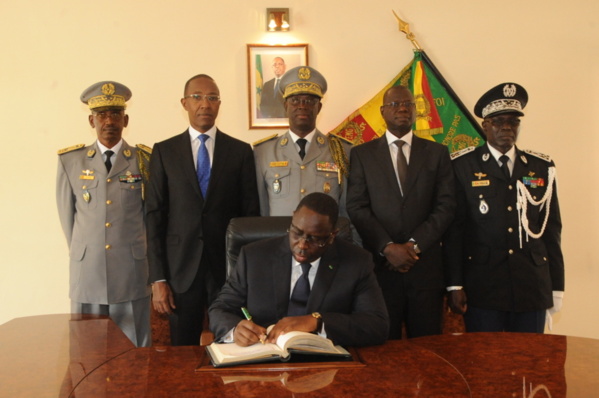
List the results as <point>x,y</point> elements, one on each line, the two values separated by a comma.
<point>91,153</point>
<point>130,178</point>
<point>276,186</point>
<point>127,153</point>
<point>483,207</point>
<point>326,188</point>
<point>87,196</point>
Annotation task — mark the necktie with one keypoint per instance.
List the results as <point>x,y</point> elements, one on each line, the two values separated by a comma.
<point>203,170</point>
<point>402,166</point>
<point>506,171</point>
<point>108,163</point>
<point>301,293</point>
<point>276,90</point>
<point>302,144</point>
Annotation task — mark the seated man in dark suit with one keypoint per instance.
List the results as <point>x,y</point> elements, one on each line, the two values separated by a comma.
<point>308,281</point>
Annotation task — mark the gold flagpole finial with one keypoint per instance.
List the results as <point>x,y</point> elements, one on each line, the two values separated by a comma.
<point>405,28</point>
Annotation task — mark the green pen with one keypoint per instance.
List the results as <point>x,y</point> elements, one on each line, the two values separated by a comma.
<point>247,316</point>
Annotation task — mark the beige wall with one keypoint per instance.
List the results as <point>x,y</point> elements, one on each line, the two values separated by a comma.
<point>52,50</point>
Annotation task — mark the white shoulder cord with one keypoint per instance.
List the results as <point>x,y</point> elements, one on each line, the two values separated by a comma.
<point>523,197</point>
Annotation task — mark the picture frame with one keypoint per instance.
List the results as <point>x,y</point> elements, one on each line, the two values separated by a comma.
<point>265,104</point>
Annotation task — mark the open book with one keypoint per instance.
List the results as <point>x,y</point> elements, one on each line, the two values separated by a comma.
<point>288,343</point>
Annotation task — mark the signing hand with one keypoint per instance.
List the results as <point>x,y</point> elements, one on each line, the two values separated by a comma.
<point>248,333</point>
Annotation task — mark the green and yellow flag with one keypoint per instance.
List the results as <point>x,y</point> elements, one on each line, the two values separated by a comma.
<point>259,82</point>
<point>440,115</point>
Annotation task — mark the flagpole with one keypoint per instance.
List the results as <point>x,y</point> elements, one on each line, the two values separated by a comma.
<point>405,28</point>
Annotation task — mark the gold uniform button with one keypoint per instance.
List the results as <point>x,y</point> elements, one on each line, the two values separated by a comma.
<point>510,230</point>
<point>302,167</point>
<point>302,190</point>
<point>544,258</point>
<point>108,225</point>
<point>108,247</point>
<point>509,208</point>
<point>131,187</point>
<point>510,187</point>
<point>510,251</point>
<point>109,180</point>
<point>84,187</point>
<point>109,202</point>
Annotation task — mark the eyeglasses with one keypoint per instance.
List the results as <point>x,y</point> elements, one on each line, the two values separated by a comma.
<point>500,121</point>
<point>113,115</point>
<point>313,241</point>
<point>207,97</point>
<point>403,104</point>
<point>310,102</point>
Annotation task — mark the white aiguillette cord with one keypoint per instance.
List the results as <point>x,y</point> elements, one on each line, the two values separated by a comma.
<point>524,197</point>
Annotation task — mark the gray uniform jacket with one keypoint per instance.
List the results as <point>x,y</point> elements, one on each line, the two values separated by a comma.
<point>284,178</point>
<point>103,221</point>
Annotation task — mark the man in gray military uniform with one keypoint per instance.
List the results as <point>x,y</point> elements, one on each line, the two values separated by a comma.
<point>303,160</point>
<point>99,192</point>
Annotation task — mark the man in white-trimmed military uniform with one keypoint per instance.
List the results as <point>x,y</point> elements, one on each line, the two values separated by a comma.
<point>503,253</point>
<point>99,193</point>
<point>303,160</point>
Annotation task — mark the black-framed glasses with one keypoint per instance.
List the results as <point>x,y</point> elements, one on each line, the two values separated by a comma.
<point>312,101</point>
<point>113,115</point>
<point>314,241</point>
<point>208,97</point>
<point>403,104</point>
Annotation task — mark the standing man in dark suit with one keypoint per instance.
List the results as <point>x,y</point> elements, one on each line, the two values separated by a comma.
<point>506,268</point>
<point>199,180</point>
<point>271,98</point>
<point>307,281</point>
<point>401,199</point>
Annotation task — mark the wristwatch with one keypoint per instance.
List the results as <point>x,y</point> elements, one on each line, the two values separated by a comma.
<point>318,321</point>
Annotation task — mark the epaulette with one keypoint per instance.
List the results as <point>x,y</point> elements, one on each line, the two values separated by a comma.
<point>265,139</point>
<point>70,149</point>
<point>461,152</point>
<point>341,138</point>
<point>539,155</point>
<point>144,148</point>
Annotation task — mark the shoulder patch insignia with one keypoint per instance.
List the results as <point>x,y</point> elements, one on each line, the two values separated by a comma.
<point>461,152</point>
<point>539,155</point>
<point>70,149</point>
<point>144,148</point>
<point>265,139</point>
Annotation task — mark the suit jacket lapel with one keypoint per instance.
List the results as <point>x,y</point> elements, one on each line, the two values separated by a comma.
<point>120,162</point>
<point>383,157</point>
<point>186,159</point>
<point>418,155</point>
<point>281,277</point>
<point>96,162</point>
<point>520,167</point>
<point>316,148</point>
<point>221,154</point>
<point>489,164</point>
<point>324,278</point>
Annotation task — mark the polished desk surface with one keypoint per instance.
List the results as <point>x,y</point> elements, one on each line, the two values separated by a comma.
<point>70,355</point>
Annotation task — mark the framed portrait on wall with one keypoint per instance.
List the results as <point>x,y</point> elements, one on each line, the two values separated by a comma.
<point>266,65</point>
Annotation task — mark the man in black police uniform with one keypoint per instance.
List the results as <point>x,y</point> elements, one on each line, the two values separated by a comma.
<point>505,264</point>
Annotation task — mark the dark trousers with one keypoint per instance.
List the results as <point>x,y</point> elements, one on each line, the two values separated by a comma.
<point>482,320</point>
<point>420,309</point>
<point>187,319</point>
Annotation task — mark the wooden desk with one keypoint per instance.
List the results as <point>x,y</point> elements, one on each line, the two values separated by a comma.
<point>57,355</point>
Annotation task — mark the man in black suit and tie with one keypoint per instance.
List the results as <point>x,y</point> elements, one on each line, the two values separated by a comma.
<point>308,281</point>
<point>199,180</point>
<point>401,199</point>
<point>271,98</point>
